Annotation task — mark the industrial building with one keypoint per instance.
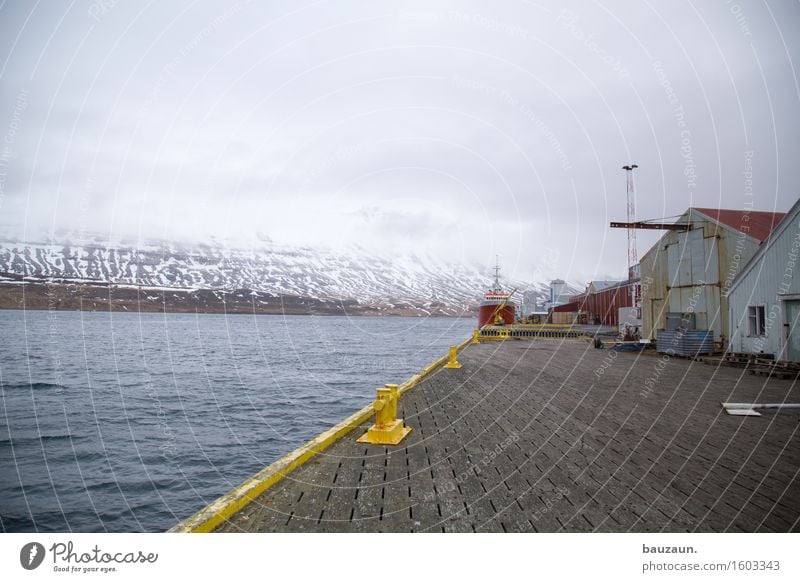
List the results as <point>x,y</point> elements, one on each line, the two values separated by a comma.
<point>764,298</point>
<point>559,294</point>
<point>599,304</point>
<point>686,274</point>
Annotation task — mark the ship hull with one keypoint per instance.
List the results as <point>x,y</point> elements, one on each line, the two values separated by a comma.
<point>487,310</point>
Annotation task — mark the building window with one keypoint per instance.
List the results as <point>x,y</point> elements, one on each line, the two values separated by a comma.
<point>755,320</point>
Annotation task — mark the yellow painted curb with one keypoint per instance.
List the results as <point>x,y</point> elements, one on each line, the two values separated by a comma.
<point>217,512</point>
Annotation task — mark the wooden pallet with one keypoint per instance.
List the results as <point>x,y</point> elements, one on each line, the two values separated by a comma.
<point>759,364</point>
<point>750,355</point>
<point>775,368</point>
<point>743,360</point>
<point>775,373</point>
<point>736,363</point>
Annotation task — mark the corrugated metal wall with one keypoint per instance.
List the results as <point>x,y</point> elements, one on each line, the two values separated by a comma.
<point>685,272</point>
<point>603,306</point>
<point>770,282</point>
<point>600,308</point>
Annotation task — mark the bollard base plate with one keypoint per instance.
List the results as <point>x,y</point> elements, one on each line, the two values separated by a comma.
<point>452,365</point>
<point>391,434</point>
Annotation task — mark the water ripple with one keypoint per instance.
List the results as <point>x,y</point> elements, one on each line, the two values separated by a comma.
<point>134,423</point>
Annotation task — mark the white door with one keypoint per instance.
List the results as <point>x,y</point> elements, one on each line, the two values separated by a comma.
<point>793,321</point>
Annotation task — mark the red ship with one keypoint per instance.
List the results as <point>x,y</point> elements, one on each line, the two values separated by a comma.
<point>496,307</point>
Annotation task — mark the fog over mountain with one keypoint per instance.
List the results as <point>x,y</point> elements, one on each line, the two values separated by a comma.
<point>270,278</point>
<point>460,130</point>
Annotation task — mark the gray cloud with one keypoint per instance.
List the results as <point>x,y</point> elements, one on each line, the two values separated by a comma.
<point>463,130</point>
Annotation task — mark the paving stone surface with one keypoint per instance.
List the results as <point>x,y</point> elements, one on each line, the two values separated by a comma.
<point>549,436</point>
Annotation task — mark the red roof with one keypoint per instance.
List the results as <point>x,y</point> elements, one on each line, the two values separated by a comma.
<point>758,224</point>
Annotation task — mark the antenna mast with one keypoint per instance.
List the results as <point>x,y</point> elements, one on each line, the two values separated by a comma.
<point>633,258</point>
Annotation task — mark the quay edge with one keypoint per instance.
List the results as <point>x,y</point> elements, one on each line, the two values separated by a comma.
<point>208,518</point>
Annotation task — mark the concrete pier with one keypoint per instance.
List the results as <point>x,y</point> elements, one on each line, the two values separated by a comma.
<point>553,435</point>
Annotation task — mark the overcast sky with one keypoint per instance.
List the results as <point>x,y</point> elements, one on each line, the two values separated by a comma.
<point>453,129</point>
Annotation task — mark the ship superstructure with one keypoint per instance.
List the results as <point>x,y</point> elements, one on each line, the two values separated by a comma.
<point>497,308</point>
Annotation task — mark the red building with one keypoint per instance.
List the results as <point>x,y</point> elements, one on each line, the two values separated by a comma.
<point>599,307</point>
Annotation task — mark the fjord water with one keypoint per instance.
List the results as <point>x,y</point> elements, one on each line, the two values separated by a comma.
<point>132,422</point>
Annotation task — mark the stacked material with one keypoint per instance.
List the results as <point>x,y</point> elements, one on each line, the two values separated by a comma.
<point>685,342</point>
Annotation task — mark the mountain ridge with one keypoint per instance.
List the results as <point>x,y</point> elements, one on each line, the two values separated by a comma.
<point>265,278</point>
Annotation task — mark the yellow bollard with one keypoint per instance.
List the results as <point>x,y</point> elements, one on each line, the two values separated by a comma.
<point>452,362</point>
<point>475,334</point>
<point>388,429</point>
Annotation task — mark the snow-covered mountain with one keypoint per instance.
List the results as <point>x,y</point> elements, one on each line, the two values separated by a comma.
<point>402,283</point>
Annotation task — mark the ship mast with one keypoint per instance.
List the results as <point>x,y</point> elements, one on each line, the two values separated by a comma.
<point>497,288</point>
